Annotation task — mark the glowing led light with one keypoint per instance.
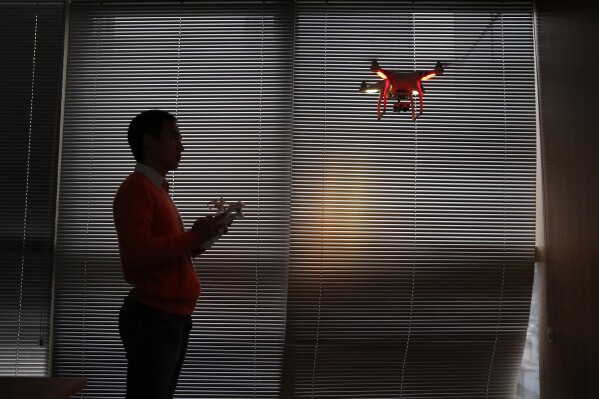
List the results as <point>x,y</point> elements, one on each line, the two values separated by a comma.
<point>372,90</point>
<point>381,74</point>
<point>430,75</point>
<point>414,92</point>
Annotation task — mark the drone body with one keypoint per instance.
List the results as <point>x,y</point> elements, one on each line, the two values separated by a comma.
<point>399,86</point>
<point>219,204</point>
<point>222,206</point>
<point>226,213</point>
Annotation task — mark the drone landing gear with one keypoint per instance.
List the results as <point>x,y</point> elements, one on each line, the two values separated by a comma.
<point>414,115</point>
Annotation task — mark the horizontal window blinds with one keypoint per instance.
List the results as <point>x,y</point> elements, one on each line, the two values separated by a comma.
<point>412,243</point>
<point>30,72</point>
<point>378,259</point>
<point>224,69</point>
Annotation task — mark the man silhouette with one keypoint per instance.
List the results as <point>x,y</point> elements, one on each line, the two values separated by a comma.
<point>156,252</point>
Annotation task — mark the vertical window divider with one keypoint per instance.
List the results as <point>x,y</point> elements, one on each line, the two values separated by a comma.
<point>63,90</point>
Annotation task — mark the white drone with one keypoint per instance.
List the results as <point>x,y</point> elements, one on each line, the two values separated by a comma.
<point>225,215</point>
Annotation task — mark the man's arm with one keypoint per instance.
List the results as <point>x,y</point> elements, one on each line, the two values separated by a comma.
<point>138,246</point>
<point>197,251</point>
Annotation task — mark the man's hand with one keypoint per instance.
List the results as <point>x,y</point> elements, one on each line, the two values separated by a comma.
<point>221,222</point>
<point>204,228</point>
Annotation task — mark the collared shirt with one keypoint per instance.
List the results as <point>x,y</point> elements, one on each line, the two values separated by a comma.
<point>151,174</point>
<point>160,182</point>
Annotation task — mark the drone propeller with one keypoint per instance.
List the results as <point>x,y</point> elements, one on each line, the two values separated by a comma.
<point>439,67</point>
<point>374,66</point>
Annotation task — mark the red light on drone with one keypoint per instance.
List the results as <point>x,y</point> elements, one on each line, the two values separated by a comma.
<point>381,74</point>
<point>430,75</point>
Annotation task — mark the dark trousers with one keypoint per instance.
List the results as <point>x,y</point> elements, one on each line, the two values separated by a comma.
<point>156,343</point>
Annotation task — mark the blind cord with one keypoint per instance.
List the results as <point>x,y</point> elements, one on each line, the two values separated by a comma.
<point>413,282</point>
<point>494,350</point>
<point>324,167</point>
<point>172,185</point>
<point>91,160</point>
<point>24,236</point>
<point>257,276</point>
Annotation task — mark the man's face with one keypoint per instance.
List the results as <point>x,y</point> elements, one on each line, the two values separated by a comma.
<point>165,152</point>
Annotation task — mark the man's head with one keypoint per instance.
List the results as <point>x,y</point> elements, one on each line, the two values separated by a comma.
<point>155,140</point>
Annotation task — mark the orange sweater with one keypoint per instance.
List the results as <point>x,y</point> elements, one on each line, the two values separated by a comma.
<point>154,248</point>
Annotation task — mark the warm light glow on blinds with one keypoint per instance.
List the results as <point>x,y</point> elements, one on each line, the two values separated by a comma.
<point>412,244</point>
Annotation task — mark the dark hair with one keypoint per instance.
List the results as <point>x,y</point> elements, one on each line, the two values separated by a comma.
<point>151,122</point>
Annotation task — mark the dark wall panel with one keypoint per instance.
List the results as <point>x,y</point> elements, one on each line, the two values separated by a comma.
<point>567,40</point>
